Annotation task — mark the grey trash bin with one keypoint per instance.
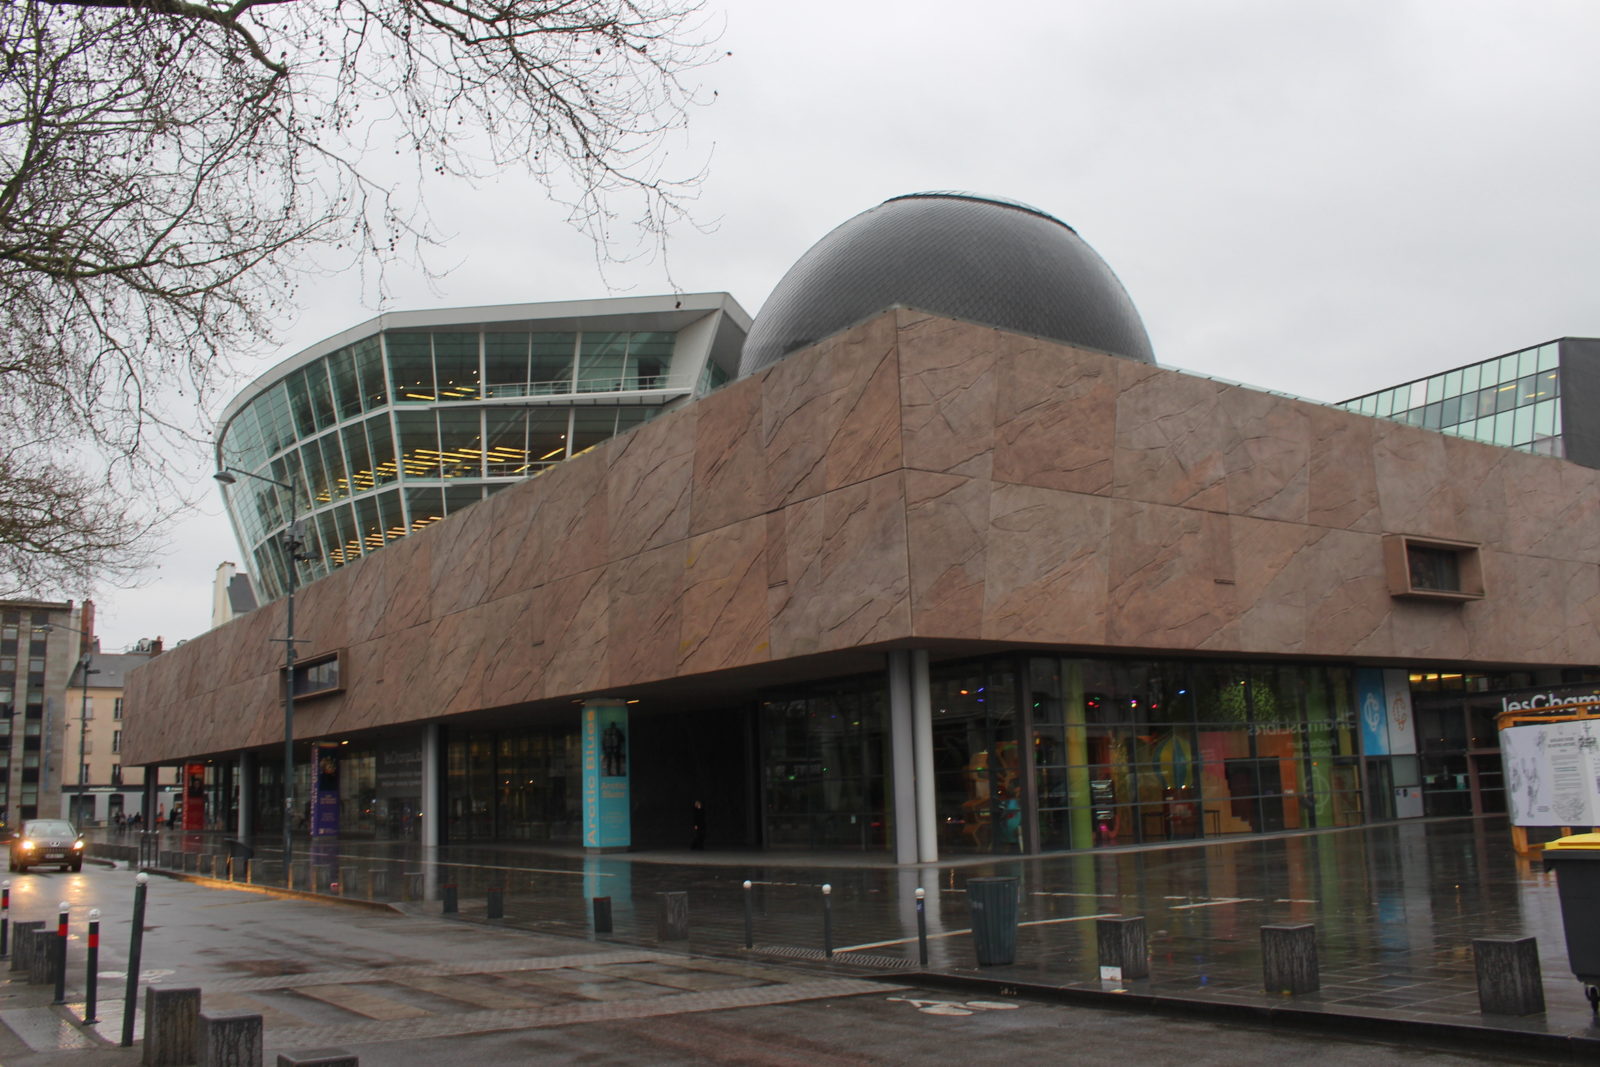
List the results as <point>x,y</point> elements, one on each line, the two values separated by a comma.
<point>1576,861</point>
<point>993,902</point>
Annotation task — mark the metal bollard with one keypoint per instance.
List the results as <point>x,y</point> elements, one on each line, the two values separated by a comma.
<point>496,906</point>
<point>130,1002</point>
<point>827,919</point>
<point>22,943</point>
<point>451,906</point>
<point>922,926</point>
<point>1289,959</point>
<point>5,919</point>
<point>1123,951</point>
<point>63,915</point>
<point>1509,980</point>
<point>749,917</point>
<point>602,915</point>
<point>91,982</point>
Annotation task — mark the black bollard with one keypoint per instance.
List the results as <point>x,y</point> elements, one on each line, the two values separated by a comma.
<point>1289,959</point>
<point>827,920</point>
<point>496,908</point>
<point>451,906</point>
<point>60,948</point>
<point>602,915</point>
<point>5,920</point>
<point>749,917</point>
<point>922,927</point>
<point>130,1001</point>
<point>91,982</point>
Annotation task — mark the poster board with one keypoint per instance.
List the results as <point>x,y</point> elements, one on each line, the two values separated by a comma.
<point>1552,769</point>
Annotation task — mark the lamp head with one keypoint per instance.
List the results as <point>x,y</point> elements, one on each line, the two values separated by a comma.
<point>225,476</point>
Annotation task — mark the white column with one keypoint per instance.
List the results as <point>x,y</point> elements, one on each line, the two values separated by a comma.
<point>901,742</point>
<point>433,806</point>
<point>246,827</point>
<point>922,733</point>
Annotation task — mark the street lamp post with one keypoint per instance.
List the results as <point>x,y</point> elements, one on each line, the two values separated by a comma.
<point>294,547</point>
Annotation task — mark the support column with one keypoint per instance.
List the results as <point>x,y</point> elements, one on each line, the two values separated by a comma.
<point>249,795</point>
<point>433,806</point>
<point>922,732</point>
<point>607,819</point>
<point>902,742</point>
<point>152,780</point>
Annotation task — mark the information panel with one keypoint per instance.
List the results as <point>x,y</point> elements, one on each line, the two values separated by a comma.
<point>1553,773</point>
<point>606,822</point>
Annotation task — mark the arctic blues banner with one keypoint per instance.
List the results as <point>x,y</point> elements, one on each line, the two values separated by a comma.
<point>606,822</point>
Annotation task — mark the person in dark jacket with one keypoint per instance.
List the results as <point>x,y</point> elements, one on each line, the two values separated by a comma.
<point>697,839</point>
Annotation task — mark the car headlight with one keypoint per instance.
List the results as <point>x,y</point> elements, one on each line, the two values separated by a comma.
<point>77,844</point>
<point>28,846</point>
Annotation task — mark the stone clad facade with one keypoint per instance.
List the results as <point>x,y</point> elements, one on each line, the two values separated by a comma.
<point>917,480</point>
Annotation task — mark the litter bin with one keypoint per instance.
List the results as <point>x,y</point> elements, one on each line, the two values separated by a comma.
<point>1576,861</point>
<point>993,904</point>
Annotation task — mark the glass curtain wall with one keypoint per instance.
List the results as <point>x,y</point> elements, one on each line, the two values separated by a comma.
<point>358,430</point>
<point>523,785</point>
<point>1512,400</point>
<point>825,769</point>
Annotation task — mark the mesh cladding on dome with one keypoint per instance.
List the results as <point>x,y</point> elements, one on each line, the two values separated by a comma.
<point>978,260</point>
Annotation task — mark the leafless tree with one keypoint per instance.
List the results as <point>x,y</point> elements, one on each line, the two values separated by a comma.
<point>166,166</point>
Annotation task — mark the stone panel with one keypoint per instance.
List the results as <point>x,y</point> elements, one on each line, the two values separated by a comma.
<point>846,563</point>
<point>574,655</point>
<point>514,634</point>
<point>1267,463</point>
<point>1171,442</point>
<point>1413,494</point>
<point>460,557</point>
<point>725,599</point>
<point>1046,566</point>
<point>1342,482</point>
<point>570,526</point>
<point>645,613</point>
<point>729,466</point>
<point>1347,596</point>
<point>1055,417</point>
<point>947,372</point>
<point>947,522</point>
<point>1170,583</point>
<point>647,485</point>
<point>1273,578</point>
<point>864,414</point>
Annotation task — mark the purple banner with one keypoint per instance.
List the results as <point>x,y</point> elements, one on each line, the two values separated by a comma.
<point>325,791</point>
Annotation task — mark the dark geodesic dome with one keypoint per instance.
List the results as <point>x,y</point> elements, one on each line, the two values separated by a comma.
<point>993,262</point>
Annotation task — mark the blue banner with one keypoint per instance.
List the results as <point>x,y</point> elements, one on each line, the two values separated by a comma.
<point>606,820</point>
<point>1372,709</point>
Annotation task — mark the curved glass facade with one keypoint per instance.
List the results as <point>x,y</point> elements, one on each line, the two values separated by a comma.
<point>391,429</point>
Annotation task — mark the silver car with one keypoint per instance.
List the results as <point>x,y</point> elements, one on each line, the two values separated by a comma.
<point>47,842</point>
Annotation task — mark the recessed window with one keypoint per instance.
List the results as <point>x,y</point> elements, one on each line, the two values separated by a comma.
<point>1424,568</point>
<point>319,676</point>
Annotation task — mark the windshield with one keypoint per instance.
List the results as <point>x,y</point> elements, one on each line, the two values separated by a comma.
<point>48,828</point>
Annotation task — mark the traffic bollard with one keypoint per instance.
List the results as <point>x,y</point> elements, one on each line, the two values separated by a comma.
<point>496,905</point>
<point>602,915</point>
<point>450,906</point>
<point>135,943</point>
<point>922,927</point>
<point>5,920</point>
<point>62,916</point>
<point>91,982</point>
<point>749,918</point>
<point>827,920</point>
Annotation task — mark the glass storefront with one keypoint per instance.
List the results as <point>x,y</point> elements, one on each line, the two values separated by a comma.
<point>521,785</point>
<point>825,767</point>
<point>1048,752</point>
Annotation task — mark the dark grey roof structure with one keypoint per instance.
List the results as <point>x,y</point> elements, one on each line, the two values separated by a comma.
<point>993,262</point>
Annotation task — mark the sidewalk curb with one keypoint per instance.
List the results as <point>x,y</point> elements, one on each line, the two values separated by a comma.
<point>1582,1048</point>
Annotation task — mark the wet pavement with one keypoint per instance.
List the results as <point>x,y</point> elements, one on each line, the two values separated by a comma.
<point>1396,908</point>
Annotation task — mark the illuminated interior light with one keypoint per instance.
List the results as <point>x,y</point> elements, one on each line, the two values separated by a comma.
<point>554,452</point>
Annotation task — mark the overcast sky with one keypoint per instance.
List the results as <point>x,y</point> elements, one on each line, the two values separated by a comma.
<point>1320,198</point>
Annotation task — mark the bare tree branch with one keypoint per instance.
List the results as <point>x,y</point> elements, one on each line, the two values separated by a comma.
<point>166,164</point>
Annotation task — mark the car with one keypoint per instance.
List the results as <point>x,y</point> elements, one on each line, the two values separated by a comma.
<point>47,842</point>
